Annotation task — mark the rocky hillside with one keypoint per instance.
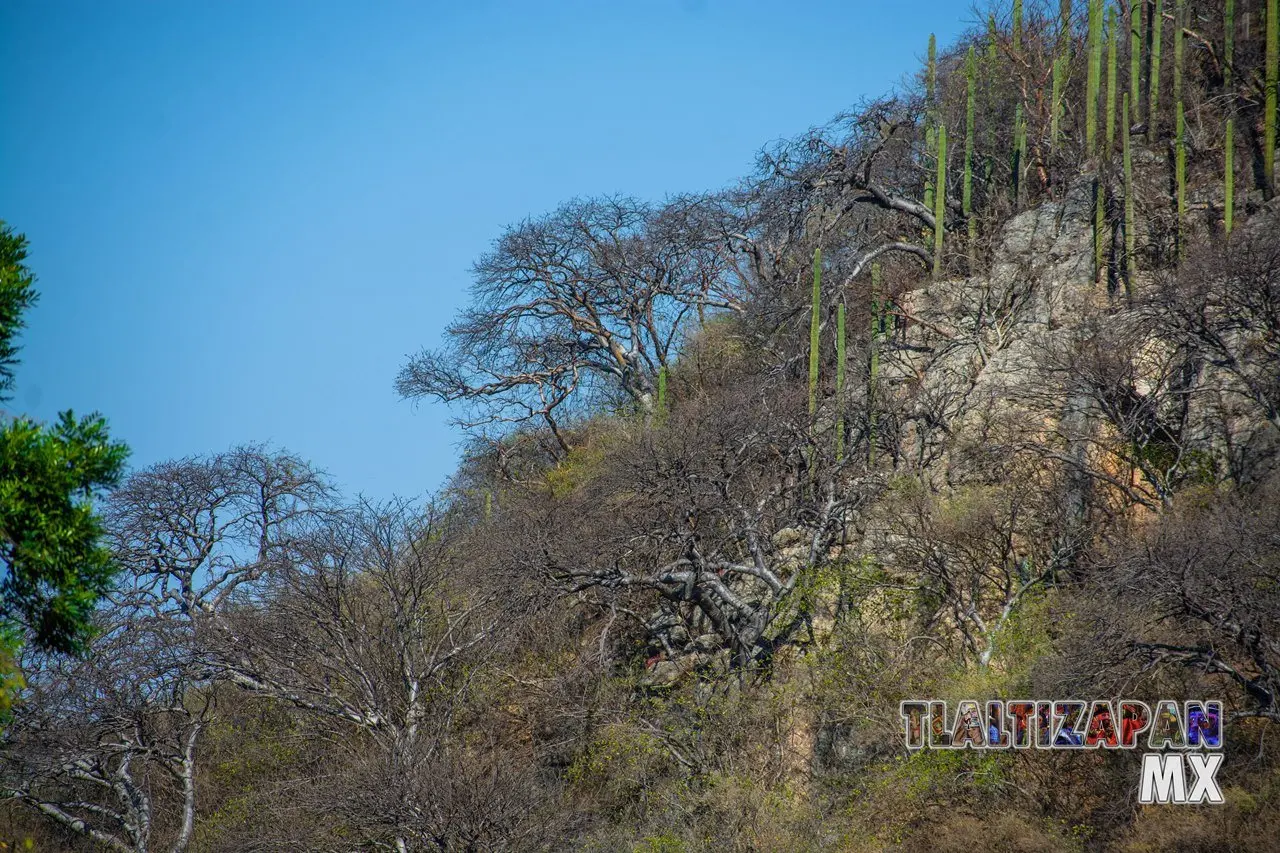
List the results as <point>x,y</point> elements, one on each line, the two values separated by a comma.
<point>972,393</point>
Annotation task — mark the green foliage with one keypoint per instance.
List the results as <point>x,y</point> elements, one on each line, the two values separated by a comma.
<point>661,844</point>
<point>17,294</point>
<point>57,566</point>
<point>576,468</point>
<point>927,770</point>
<point>11,680</point>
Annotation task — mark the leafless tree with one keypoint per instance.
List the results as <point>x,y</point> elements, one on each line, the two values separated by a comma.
<point>191,533</point>
<point>360,621</point>
<point>106,745</point>
<point>1223,307</point>
<point>974,558</point>
<point>94,741</point>
<point>726,513</point>
<point>852,188</point>
<point>1202,583</point>
<point>372,626</point>
<point>585,303</point>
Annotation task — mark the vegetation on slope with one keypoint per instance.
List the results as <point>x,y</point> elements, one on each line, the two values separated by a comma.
<point>881,421</point>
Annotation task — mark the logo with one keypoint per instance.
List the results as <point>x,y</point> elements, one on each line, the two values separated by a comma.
<point>1180,766</point>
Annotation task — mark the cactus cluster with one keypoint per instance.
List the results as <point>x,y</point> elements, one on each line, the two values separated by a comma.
<point>1103,96</point>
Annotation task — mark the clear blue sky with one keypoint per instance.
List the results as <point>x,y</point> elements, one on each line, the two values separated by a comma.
<point>244,216</point>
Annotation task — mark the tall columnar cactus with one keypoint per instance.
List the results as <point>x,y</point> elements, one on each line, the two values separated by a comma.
<point>1180,125</point>
<point>990,74</point>
<point>1135,61</point>
<point>1130,238</point>
<point>990,65</point>
<point>1178,7</point>
<point>1112,55</point>
<point>840,392</point>
<point>815,320</point>
<point>1055,99</point>
<point>1019,155</point>
<point>1272,83</point>
<point>1017,26</point>
<point>1153,93</point>
<point>1061,61</point>
<point>1229,177</point>
<point>940,201</point>
<point>1093,82</point>
<point>930,115</point>
<point>1019,160</point>
<point>1229,143</point>
<point>966,192</point>
<point>1228,44</point>
<point>662,390</point>
<point>877,320</point>
<point>1099,228</point>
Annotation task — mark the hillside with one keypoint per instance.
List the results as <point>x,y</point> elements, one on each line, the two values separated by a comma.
<point>971,393</point>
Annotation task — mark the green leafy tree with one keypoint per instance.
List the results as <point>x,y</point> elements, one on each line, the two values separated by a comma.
<point>55,565</point>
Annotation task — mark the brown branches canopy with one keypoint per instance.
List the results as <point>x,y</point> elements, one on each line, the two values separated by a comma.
<point>585,305</point>
<point>106,746</point>
<point>721,519</point>
<point>581,306</point>
<point>243,572</point>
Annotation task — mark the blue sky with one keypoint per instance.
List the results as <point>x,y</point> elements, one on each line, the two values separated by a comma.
<point>244,216</point>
